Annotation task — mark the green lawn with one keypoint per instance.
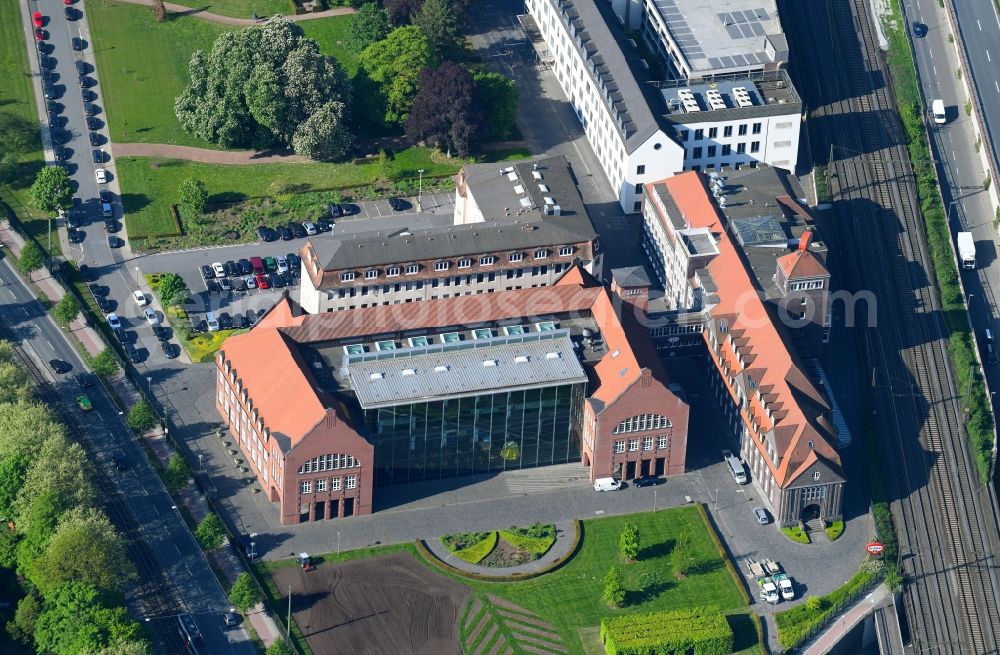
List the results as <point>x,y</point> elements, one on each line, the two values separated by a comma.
<point>331,35</point>
<point>241,8</point>
<point>149,186</point>
<point>143,66</point>
<point>17,96</point>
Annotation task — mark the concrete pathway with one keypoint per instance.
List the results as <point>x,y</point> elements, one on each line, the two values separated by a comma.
<point>566,537</point>
<point>825,642</point>
<point>239,22</point>
<point>207,155</point>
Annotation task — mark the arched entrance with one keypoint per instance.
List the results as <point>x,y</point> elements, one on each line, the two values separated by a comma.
<point>810,513</point>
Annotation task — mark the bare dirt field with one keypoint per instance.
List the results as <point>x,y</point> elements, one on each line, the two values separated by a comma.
<point>390,604</point>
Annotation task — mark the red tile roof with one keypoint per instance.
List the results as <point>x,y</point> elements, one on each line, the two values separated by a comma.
<point>796,405</point>
<point>801,263</point>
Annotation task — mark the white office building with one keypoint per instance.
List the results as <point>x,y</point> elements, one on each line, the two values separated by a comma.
<point>643,130</point>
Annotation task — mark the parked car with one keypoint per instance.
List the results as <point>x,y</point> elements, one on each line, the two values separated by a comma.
<point>232,268</point>
<point>81,66</point>
<point>95,138</point>
<point>250,281</point>
<point>71,14</point>
<point>213,286</point>
<point>161,333</point>
<point>85,380</point>
<point>218,269</point>
<point>298,231</point>
<point>201,326</point>
<point>336,211</point>
<point>54,107</point>
<point>169,349</point>
<point>245,267</point>
<point>151,317</point>
<point>207,273</point>
<point>89,109</point>
<point>275,280</point>
<point>134,355</point>
<point>225,285</point>
<point>38,19</point>
<point>607,484</point>
<point>239,322</point>
<point>75,236</point>
<point>310,228</point>
<point>230,618</point>
<point>270,264</point>
<point>262,281</point>
<point>99,156</point>
<point>324,226</point>
<point>282,264</point>
<point>212,322</point>
<point>140,298</point>
<point>77,43</point>
<point>251,317</point>
<point>647,481</point>
<point>113,321</point>
<point>101,175</point>
<point>287,278</point>
<point>286,234</point>
<point>225,321</point>
<point>108,212</point>
<point>762,515</point>
<point>266,234</point>
<point>119,460</point>
<point>41,35</point>
<point>397,204</point>
<point>86,274</point>
<point>293,262</point>
<point>239,284</point>
<point>94,123</point>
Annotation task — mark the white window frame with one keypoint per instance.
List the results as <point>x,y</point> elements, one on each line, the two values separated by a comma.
<point>619,446</point>
<point>647,443</point>
<point>633,445</point>
<point>306,487</point>
<point>347,277</point>
<point>412,269</point>
<point>392,271</point>
<point>321,485</point>
<point>566,251</point>
<point>464,263</point>
<point>442,266</point>
<point>661,442</point>
<point>515,256</point>
<point>351,482</point>
<point>541,253</point>
<point>487,260</point>
<point>335,484</point>
<point>371,274</point>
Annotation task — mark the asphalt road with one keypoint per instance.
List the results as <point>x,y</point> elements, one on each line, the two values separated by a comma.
<point>168,537</point>
<point>968,204</point>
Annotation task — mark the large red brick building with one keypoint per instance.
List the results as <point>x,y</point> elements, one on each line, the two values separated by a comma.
<point>326,407</point>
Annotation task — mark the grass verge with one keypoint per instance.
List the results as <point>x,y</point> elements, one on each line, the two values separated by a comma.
<point>961,349</point>
<point>476,552</point>
<point>796,534</point>
<point>834,530</point>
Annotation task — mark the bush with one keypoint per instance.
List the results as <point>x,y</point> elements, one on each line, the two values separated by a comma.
<point>105,364</point>
<point>628,543</point>
<point>210,533</point>
<point>177,473</point>
<point>142,417</point>
<point>536,539</point>
<point>66,310</point>
<point>475,553</point>
<point>797,624</point>
<point>462,540</point>
<point>614,588</point>
<point>31,258</point>
<point>703,630</point>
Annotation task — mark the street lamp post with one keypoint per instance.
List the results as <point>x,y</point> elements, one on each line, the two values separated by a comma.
<point>137,277</point>
<point>420,188</point>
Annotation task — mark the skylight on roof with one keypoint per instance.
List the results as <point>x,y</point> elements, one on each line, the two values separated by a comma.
<point>418,341</point>
<point>451,337</point>
<point>442,368</point>
<point>409,371</point>
<point>354,349</point>
<point>513,329</point>
<point>388,344</point>
<point>522,359</point>
<point>512,176</point>
<point>525,202</point>
<point>376,376</point>
<point>487,363</point>
<point>553,355</point>
<point>543,188</point>
<point>482,333</point>
<point>536,174</point>
<point>545,326</point>
<point>518,189</point>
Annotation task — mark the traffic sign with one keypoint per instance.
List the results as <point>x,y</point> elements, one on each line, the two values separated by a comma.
<point>875,548</point>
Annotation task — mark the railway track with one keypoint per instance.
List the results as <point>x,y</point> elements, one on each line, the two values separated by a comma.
<point>947,524</point>
<point>152,595</point>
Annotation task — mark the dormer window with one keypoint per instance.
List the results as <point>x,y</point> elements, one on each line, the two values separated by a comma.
<point>815,476</point>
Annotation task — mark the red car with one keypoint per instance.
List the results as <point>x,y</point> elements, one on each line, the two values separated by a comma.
<point>67,2</point>
<point>262,281</point>
<point>37,17</point>
<point>40,35</point>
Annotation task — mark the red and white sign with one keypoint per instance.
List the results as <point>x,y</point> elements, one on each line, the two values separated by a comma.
<point>875,548</point>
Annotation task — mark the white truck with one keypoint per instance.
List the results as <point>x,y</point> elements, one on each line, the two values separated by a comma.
<point>966,250</point>
<point>937,109</point>
<point>784,585</point>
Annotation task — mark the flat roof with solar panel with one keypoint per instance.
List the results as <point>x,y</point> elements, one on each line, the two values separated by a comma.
<point>714,37</point>
<point>731,96</point>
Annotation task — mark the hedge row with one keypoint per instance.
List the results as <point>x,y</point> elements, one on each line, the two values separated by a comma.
<point>884,525</point>
<point>737,578</point>
<point>961,350</point>
<point>703,630</point>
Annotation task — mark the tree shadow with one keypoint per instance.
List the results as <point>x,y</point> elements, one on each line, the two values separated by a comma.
<point>134,201</point>
<point>744,631</point>
<point>652,585</point>
<point>227,198</point>
<point>659,549</point>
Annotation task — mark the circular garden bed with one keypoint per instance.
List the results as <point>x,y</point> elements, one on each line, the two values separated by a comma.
<point>502,548</point>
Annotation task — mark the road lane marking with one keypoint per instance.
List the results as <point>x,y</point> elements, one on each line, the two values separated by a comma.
<point>178,550</point>
<point>11,292</point>
<point>997,85</point>
<point>979,24</point>
<point>988,58</point>
<point>50,345</point>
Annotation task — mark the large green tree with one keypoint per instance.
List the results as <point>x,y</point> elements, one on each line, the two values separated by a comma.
<point>32,258</point>
<point>15,384</point>
<point>210,533</point>
<point>369,24</point>
<point>105,364</point>
<point>60,475</point>
<point>245,593</point>
<point>442,25</point>
<point>394,65</point>
<point>258,85</point>
<point>142,416</point>
<point>628,543</point>
<point>51,190</point>
<point>324,136</point>
<point>66,310</point>
<point>77,619</point>
<point>498,98</point>
<point>85,548</point>
<point>22,627</point>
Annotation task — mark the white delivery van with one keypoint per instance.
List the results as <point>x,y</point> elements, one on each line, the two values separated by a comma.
<point>937,108</point>
<point>736,469</point>
<point>607,484</point>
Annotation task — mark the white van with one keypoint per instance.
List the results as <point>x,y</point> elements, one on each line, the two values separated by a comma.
<point>607,484</point>
<point>937,108</point>
<point>736,469</point>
